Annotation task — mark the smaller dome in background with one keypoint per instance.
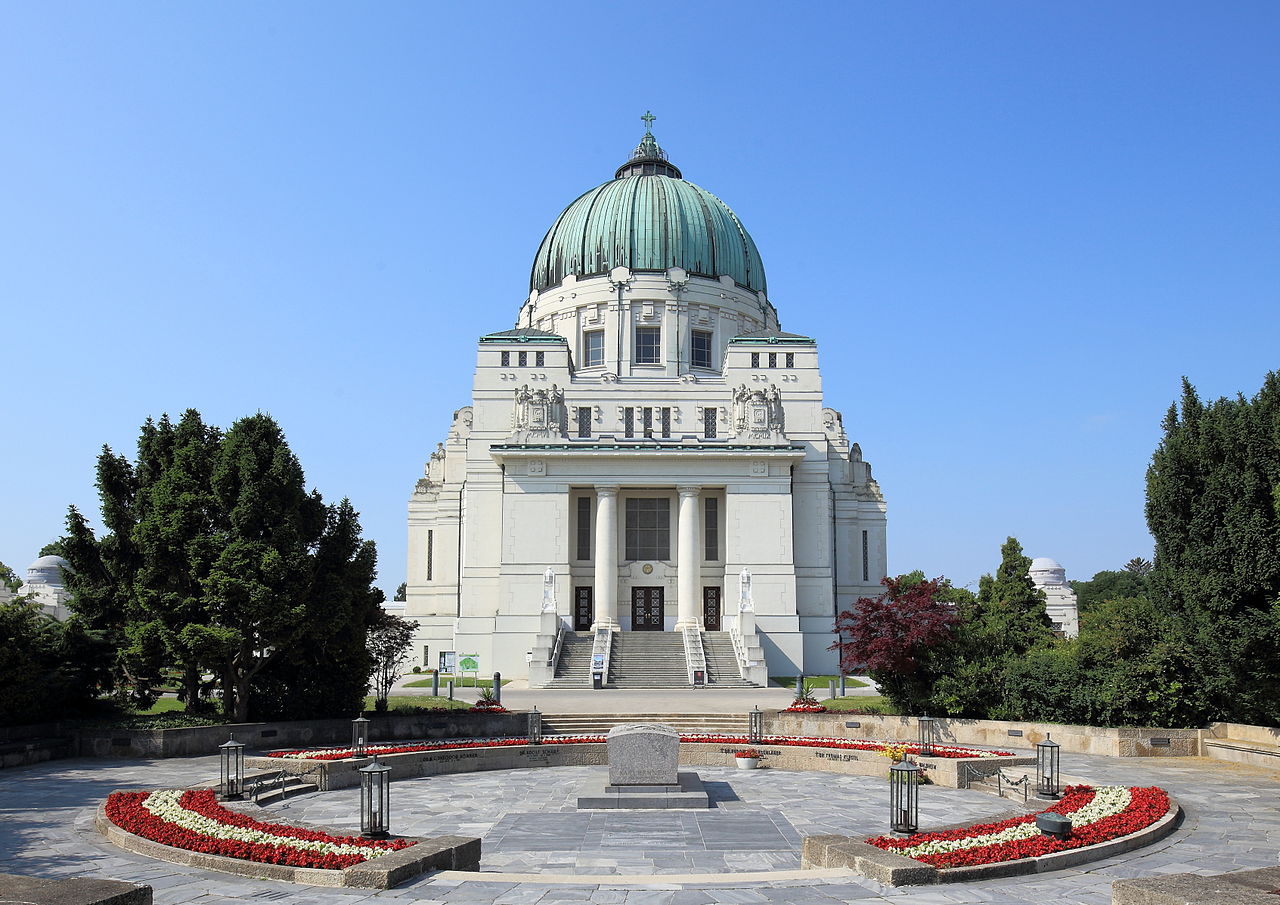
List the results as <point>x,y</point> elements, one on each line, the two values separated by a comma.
<point>1046,572</point>
<point>47,570</point>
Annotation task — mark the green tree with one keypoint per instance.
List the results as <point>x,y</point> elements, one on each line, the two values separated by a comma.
<point>402,592</point>
<point>999,627</point>
<point>1109,585</point>
<point>10,579</point>
<point>216,558</point>
<point>43,670</point>
<point>1213,507</point>
<point>389,641</point>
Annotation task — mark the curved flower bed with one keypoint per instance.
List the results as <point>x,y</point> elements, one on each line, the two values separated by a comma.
<point>1097,815</point>
<point>193,820</point>
<point>799,741</point>
<point>803,707</point>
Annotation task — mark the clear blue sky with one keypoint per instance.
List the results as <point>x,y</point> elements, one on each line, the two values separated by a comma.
<point>1012,227</point>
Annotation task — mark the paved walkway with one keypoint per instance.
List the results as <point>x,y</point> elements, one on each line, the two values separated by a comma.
<point>46,829</point>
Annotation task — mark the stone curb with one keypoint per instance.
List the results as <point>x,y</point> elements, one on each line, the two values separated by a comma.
<point>896,870</point>
<point>453,853</point>
<point>1246,887</point>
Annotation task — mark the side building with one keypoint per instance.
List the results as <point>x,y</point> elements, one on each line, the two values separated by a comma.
<point>646,451</point>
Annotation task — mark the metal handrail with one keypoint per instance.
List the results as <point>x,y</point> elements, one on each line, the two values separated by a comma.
<point>554,660</point>
<point>739,650</point>
<point>695,657</point>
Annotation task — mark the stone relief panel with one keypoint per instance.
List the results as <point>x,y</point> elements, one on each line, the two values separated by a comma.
<point>758,416</point>
<point>539,415</point>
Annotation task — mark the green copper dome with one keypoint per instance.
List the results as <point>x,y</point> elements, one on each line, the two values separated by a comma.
<point>647,218</point>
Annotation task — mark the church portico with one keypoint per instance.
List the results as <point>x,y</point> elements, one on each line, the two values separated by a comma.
<point>645,436</point>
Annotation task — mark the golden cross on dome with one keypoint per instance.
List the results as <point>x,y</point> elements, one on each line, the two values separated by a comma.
<point>648,119</point>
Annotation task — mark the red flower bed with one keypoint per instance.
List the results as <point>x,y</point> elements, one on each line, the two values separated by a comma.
<point>797,741</point>
<point>1146,806</point>
<point>126,810</point>
<point>804,708</point>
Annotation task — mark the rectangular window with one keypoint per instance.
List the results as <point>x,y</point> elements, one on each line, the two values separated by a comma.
<point>584,421</point>
<point>540,359</point>
<point>791,359</point>
<point>648,534</point>
<point>709,424</point>
<point>700,349</point>
<point>506,359</point>
<point>666,423</point>
<point>711,512</point>
<point>648,345</point>
<point>628,422</point>
<point>522,359</point>
<point>646,416</point>
<point>755,359</point>
<point>426,652</point>
<point>593,348</point>
<point>866,560</point>
<point>584,527</point>
<point>773,359</point>
<point>431,536</point>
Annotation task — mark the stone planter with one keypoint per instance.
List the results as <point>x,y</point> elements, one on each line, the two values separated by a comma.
<point>747,763</point>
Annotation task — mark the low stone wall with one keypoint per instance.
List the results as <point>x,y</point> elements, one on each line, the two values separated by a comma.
<point>1246,887</point>
<point>197,740</point>
<point>38,891</point>
<point>1004,734</point>
<point>339,774</point>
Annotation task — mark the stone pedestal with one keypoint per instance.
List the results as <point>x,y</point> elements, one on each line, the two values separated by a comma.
<point>644,772</point>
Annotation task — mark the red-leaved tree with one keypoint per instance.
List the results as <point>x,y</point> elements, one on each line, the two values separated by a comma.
<point>894,635</point>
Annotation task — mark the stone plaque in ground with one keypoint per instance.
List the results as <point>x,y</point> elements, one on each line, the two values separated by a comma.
<point>643,754</point>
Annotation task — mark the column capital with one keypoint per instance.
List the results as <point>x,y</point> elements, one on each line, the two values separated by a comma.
<point>607,489</point>
<point>687,490</point>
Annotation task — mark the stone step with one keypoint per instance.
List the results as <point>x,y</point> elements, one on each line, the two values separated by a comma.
<point>601,723</point>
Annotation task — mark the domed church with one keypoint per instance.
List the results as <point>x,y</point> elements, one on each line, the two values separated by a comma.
<point>647,489</point>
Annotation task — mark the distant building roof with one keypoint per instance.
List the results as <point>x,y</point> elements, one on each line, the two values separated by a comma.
<point>522,335</point>
<point>771,336</point>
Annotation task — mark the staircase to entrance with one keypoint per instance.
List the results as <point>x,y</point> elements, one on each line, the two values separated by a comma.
<point>647,660</point>
<point>574,667</point>
<point>722,661</point>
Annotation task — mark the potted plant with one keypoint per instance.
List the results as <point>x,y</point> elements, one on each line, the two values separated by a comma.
<point>747,758</point>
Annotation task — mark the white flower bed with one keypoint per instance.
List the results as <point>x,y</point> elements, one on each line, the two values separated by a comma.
<point>1107,802</point>
<point>164,803</point>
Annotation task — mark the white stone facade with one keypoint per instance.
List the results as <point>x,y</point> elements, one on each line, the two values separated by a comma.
<point>1060,600</point>
<point>540,468</point>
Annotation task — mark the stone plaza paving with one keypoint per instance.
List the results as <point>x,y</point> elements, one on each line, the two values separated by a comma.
<point>535,841</point>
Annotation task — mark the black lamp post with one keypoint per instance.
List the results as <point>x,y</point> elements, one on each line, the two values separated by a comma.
<point>755,725</point>
<point>535,727</point>
<point>231,753</point>
<point>926,736</point>
<point>359,736</point>
<point>375,800</point>
<point>1047,778</point>
<point>904,801</point>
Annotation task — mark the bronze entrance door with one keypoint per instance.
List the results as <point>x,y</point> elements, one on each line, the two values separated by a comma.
<point>584,611</point>
<point>646,609</point>
<point>711,609</point>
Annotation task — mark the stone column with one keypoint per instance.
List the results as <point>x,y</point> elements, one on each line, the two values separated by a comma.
<point>688,561</point>
<point>606,589</point>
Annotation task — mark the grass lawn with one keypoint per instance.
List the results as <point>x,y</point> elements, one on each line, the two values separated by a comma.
<point>410,701</point>
<point>466,682</point>
<point>869,704</point>
<point>165,705</point>
<point>815,682</point>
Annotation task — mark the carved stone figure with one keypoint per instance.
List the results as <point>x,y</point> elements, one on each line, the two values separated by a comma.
<point>549,590</point>
<point>745,603</point>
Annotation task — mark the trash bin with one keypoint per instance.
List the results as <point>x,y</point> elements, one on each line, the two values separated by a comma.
<point>699,678</point>
<point>597,680</point>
